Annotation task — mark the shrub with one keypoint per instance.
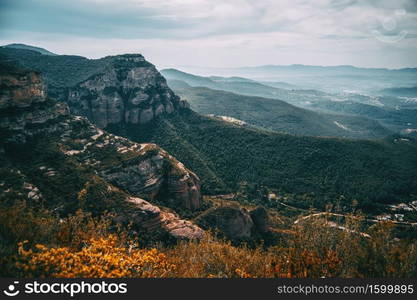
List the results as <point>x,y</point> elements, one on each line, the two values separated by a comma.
<point>100,258</point>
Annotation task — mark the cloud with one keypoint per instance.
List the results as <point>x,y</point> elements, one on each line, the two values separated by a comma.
<point>263,29</point>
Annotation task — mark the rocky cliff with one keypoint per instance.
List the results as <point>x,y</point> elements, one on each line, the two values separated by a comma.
<point>24,107</point>
<point>49,156</point>
<point>114,91</point>
<point>129,90</point>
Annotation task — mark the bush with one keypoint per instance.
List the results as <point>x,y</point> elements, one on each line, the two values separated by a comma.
<point>100,258</point>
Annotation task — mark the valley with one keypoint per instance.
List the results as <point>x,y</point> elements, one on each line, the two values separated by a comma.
<point>363,112</point>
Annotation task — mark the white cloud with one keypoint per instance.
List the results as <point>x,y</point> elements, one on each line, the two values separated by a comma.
<point>216,32</point>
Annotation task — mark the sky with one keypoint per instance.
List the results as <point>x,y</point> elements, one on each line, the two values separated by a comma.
<point>221,33</point>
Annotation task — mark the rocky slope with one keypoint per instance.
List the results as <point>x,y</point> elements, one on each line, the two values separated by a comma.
<point>64,162</point>
<point>24,106</point>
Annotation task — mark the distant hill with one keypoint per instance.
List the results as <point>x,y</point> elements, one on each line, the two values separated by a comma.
<point>230,79</point>
<point>237,85</point>
<point>394,119</point>
<point>281,85</point>
<point>400,91</point>
<point>277,115</point>
<point>28,47</point>
<point>178,84</point>
<point>245,86</point>
<point>342,69</point>
<point>333,79</point>
<point>224,155</point>
<point>386,109</point>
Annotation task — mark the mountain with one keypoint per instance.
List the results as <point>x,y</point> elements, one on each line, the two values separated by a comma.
<point>225,155</point>
<point>281,85</point>
<point>72,77</point>
<point>346,109</point>
<point>28,47</point>
<point>298,97</point>
<point>277,115</point>
<point>231,84</point>
<point>400,91</point>
<point>341,69</point>
<point>309,170</point>
<point>112,91</point>
<point>332,79</point>
<point>52,159</point>
<point>190,79</point>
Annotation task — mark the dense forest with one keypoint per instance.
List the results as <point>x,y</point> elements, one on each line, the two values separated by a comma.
<point>223,155</point>
<point>277,115</point>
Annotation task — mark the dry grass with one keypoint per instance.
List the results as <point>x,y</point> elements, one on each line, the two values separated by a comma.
<point>61,247</point>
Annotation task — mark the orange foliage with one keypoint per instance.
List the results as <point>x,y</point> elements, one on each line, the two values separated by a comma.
<point>101,258</point>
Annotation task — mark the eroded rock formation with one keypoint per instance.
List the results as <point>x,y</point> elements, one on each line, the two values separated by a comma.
<point>77,149</point>
<point>128,90</point>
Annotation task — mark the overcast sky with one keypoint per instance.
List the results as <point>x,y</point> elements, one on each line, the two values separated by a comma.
<point>221,33</point>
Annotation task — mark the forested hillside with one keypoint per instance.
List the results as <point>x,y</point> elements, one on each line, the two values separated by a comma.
<point>223,155</point>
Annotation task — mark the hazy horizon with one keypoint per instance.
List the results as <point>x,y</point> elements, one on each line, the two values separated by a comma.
<point>179,67</point>
<point>221,34</point>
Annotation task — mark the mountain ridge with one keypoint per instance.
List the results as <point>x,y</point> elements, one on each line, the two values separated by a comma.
<point>29,47</point>
<point>277,115</point>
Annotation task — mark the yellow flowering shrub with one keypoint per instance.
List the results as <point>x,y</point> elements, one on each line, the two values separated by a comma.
<point>100,258</point>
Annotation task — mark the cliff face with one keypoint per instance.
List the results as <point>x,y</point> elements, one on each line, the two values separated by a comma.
<point>20,89</point>
<point>24,107</point>
<point>129,90</point>
<point>50,156</point>
<point>236,223</point>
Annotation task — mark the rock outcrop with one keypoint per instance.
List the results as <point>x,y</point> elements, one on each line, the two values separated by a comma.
<point>155,173</point>
<point>151,217</point>
<point>78,152</point>
<point>128,90</point>
<point>24,107</point>
<point>20,89</point>
<point>236,223</point>
<point>232,222</point>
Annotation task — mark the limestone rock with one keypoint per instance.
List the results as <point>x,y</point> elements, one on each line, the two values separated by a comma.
<point>119,170</point>
<point>24,107</point>
<point>21,89</point>
<point>181,229</point>
<point>233,222</point>
<point>128,90</point>
<point>153,172</point>
<point>149,217</point>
